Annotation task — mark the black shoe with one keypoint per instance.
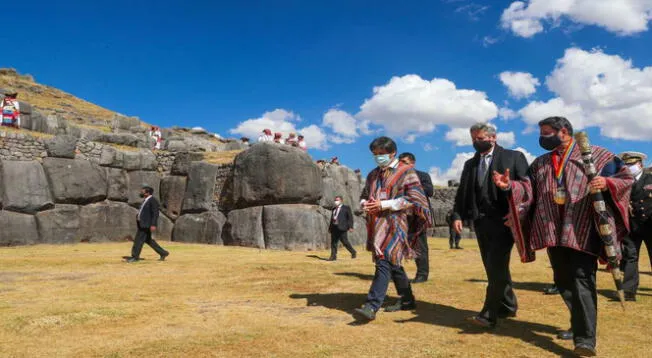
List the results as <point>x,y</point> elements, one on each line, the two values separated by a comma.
<point>366,313</point>
<point>630,296</point>
<point>584,350</point>
<point>552,290</point>
<point>354,255</point>
<point>419,279</point>
<point>481,322</point>
<point>132,259</point>
<point>331,259</point>
<point>162,258</point>
<point>565,335</point>
<point>459,248</point>
<point>400,306</point>
<point>452,247</point>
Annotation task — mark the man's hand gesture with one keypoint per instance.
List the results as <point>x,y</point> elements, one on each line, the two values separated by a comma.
<point>502,181</point>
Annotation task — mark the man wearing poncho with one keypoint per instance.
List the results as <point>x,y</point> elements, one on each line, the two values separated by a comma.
<point>394,201</point>
<point>555,211</point>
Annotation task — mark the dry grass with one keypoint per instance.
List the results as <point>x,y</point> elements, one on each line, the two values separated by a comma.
<point>223,157</point>
<point>49,99</point>
<point>82,301</point>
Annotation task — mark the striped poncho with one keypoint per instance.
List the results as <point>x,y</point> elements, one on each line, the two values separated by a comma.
<point>387,231</point>
<point>544,224</point>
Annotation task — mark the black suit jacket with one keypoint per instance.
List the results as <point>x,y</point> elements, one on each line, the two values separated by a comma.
<point>149,214</point>
<point>641,201</point>
<point>344,219</point>
<point>466,200</point>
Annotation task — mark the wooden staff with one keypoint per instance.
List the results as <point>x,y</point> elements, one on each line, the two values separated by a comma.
<point>604,229</point>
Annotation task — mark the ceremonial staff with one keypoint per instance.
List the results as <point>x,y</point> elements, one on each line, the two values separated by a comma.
<point>604,229</point>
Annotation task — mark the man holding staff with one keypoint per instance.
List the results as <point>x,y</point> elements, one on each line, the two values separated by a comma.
<point>555,211</point>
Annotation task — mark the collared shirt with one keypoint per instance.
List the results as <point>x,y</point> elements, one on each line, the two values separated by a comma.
<point>142,206</point>
<point>336,212</point>
<point>636,178</point>
<point>488,157</point>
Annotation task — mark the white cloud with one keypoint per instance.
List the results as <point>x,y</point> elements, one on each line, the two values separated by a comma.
<point>623,17</point>
<point>462,137</point>
<point>519,84</point>
<point>506,113</point>
<point>281,120</point>
<point>410,105</point>
<point>488,41</point>
<point>595,89</point>
<point>528,156</point>
<point>427,147</point>
<point>342,124</point>
<point>454,172</point>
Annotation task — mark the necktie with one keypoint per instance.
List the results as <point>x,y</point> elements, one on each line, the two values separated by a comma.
<point>483,168</point>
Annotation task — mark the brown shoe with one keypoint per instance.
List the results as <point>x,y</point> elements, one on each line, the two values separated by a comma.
<point>481,322</point>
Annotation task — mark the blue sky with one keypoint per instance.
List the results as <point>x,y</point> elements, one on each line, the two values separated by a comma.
<point>344,72</point>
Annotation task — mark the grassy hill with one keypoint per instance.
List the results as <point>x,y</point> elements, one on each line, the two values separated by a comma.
<point>50,100</point>
<point>215,301</point>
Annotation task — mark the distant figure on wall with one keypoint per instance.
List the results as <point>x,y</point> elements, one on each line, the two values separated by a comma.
<point>277,137</point>
<point>10,110</point>
<point>302,143</point>
<point>292,140</point>
<point>266,136</point>
<point>146,220</point>
<point>155,134</point>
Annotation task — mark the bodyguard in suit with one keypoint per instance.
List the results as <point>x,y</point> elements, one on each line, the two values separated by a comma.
<point>480,200</point>
<point>422,261</point>
<point>640,207</point>
<point>341,223</point>
<point>147,220</point>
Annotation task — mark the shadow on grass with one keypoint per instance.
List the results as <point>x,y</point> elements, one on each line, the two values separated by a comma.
<point>527,286</point>
<point>447,316</point>
<point>361,276</point>
<point>317,257</point>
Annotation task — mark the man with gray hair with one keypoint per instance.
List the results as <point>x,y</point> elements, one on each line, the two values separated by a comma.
<point>480,200</point>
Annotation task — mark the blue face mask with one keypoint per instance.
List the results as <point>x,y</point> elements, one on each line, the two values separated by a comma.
<point>382,160</point>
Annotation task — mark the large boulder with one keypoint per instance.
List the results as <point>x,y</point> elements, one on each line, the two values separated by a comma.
<point>24,187</point>
<point>17,229</point>
<point>148,160</point>
<point>59,225</point>
<point>201,187</point>
<point>111,157</point>
<point>61,146</point>
<point>294,227</point>
<point>75,181</point>
<point>340,181</point>
<point>172,190</point>
<point>137,179</point>
<point>244,227</point>
<point>182,160</point>
<point>107,221</point>
<point>122,123</point>
<point>131,160</point>
<point>164,228</point>
<point>118,184</point>
<point>272,174</point>
<point>204,228</point>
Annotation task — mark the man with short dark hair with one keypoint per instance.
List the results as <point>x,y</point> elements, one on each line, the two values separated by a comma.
<point>552,209</point>
<point>341,223</point>
<point>422,261</point>
<point>146,220</point>
<point>393,192</point>
<point>480,200</point>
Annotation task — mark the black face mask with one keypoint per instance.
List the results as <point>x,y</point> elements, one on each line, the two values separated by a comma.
<point>549,142</point>
<point>482,146</point>
<point>142,195</point>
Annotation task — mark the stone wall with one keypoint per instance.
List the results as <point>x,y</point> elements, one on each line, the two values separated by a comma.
<point>20,146</point>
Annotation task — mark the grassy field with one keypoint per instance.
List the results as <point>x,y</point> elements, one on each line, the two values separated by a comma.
<point>213,301</point>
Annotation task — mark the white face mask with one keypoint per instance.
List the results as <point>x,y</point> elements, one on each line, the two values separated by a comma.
<point>337,203</point>
<point>635,169</point>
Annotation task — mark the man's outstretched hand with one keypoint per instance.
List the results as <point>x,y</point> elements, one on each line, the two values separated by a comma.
<point>502,181</point>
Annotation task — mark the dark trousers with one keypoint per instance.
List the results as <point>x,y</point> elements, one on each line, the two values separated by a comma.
<point>385,271</point>
<point>496,242</point>
<point>631,254</point>
<point>574,273</point>
<point>423,260</point>
<point>453,238</point>
<point>338,236</point>
<point>144,236</point>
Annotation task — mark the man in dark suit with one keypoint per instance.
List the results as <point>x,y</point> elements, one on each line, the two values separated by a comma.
<point>640,206</point>
<point>146,220</point>
<point>341,223</point>
<point>480,200</point>
<point>422,261</point>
